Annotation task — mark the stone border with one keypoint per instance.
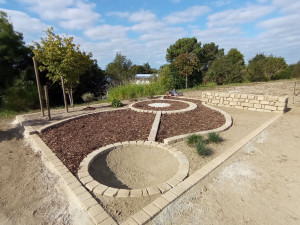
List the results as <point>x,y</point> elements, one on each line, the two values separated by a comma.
<point>192,106</point>
<point>225,126</point>
<point>261,103</point>
<point>99,189</point>
<point>155,126</point>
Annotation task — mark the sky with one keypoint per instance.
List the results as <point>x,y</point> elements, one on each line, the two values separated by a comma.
<point>142,30</point>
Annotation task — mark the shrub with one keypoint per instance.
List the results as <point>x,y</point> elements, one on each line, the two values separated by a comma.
<point>202,149</point>
<point>88,97</point>
<point>116,103</point>
<point>214,138</point>
<point>193,139</point>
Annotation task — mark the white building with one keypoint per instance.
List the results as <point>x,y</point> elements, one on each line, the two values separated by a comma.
<point>143,78</point>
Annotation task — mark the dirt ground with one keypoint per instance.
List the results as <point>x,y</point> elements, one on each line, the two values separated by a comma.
<point>258,185</point>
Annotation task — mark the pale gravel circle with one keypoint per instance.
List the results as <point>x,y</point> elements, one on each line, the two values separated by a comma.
<point>159,105</point>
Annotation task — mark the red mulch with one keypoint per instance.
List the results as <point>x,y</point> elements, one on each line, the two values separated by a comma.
<point>173,105</point>
<point>74,140</point>
<point>200,119</point>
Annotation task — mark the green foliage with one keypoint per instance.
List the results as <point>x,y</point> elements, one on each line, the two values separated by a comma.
<point>193,139</point>
<point>183,45</point>
<point>169,78</point>
<point>131,91</point>
<point>296,70</point>
<point>119,70</point>
<point>214,138</point>
<point>60,57</point>
<point>116,103</point>
<point>88,97</point>
<point>202,149</point>
<point>285,73</point>
<point>14,55</point>
<point>227,69</point>
<point>208,53</point>
<point>264,68</point>
<point>22,96</point>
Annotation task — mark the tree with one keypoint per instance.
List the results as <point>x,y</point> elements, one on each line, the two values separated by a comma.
<point>119,70</point>
<point>183,45</point>
<point>14,55</point>
<point>61,58</point>
<point>187,64</point>
<point>296,70</point>
<point>208,53</point>
<point>169,78</point>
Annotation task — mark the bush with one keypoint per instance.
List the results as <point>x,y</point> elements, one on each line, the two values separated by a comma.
<point>214,138</point>
<point>116,103</point>
<point>88,97</point>
<point>202,149</point>
<point>193,139</point>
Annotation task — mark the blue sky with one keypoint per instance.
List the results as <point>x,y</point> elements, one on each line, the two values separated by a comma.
<point>143,30</point>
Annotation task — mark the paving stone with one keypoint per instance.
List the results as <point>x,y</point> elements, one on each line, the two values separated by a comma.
<point>185,185</point>
<point>161,202</point>
<point>173,182</point>
<point>145,192</point>
<point>151,210</point>
<point>67,175</point>
<point>75,185</point>
<point>84,196</point>
<point>163,187</point>
<point>141,217</point>
<point>100,217</point>
<point>95,210</point>
<point>178,190</point>
<point>153,190</point>
<point>110,192</point>
<point>79,190</point>
<point>170,196</point>
<point>130,221</point>
<point>70,180</point>
<point>88,203</point>
<point>123,193</point>
<point>91,185</point>
<point>108,221</point>
<point>99,190</point>
<point>136,193</point>
<point>192,180</point>
<point>86,180</point>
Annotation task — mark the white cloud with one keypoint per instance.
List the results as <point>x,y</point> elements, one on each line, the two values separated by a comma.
<point>175,1</point>
<point>142,16</point>
<point>105,32</point>
<point>238,16</point>
<point>287,6</point>
<point>69,14</point>
<point>118,14</point>
<point>2,1</point>
<point>221,3</point>
<point>187,15</point>
<point>21,23</point>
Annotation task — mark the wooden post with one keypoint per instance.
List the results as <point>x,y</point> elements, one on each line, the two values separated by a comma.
<point>38,84</point>
<point>47,101</point>
<point>64,93</point>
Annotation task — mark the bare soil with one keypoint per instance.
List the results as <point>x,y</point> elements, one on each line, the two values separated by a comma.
<point>134,167</point>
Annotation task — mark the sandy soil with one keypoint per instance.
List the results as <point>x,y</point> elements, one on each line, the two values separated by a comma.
<point>134,167</point>
<point>29,193</point>
<point>258,185</point>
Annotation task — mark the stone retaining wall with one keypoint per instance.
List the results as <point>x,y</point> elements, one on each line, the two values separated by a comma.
<point>262,103</point>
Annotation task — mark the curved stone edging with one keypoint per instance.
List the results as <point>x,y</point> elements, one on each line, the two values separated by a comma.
<point>225,126</point>
<point>100,189</point>
<point>192,106</point>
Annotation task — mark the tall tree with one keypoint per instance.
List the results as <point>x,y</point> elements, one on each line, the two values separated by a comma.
<point>14,55</point>
<point>60,57</point>
<point>187,64</point>
<point>183,45</point>
<point>296,70</point>
<point>119,70</point>
<point>208,53</point>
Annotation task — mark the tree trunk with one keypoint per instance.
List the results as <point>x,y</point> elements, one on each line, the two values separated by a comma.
<point>64,93</point>
<point>70,94</point>
<point>186,81</point>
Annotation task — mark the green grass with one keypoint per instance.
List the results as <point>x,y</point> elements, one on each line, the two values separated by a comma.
<point>193,139</point>
<point>214,138</point>
<point>202,149</point>
<point>130,91</point>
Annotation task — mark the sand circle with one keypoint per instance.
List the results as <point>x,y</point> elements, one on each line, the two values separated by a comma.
<point>159,104</point>
<point>133,167</point>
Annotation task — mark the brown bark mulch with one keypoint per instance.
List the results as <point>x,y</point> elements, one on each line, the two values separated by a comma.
<point>199,119</point>
<point>74,140</point>
<point>173,105</point>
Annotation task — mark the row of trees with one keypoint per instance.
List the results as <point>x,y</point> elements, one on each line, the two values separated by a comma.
<point>192,64</point>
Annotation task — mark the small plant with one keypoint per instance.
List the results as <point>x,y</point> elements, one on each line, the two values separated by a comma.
<point>88,97</point>
<point>193,139</point>
<point>116,103</point>
<point>214,138</point>
<point>202,149</point>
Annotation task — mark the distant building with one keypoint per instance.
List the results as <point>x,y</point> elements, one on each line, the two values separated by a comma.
<point>143,78</point>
